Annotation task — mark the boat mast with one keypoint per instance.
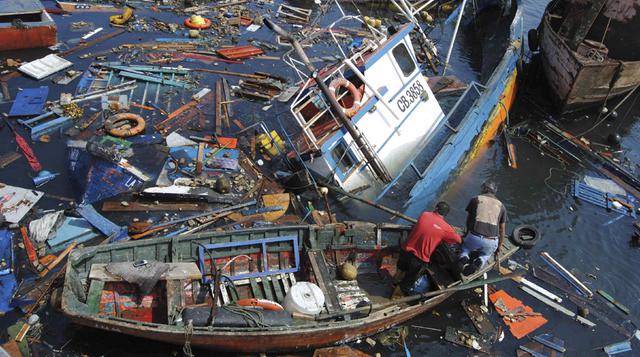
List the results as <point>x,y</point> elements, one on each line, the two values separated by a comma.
<point>370,156</point>
<point>455,33</point>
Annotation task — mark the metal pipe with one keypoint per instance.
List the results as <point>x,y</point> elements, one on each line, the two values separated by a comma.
<point>455,33</point>
<point>372,204</point>
<point>370,156</point>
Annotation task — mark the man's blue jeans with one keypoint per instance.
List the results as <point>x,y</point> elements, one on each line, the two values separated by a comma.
<point>486,247</point>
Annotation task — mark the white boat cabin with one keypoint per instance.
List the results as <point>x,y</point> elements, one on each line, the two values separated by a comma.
<point>396,114</point>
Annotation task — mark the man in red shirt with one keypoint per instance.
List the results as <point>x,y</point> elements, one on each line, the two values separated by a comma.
<point>425,237</point>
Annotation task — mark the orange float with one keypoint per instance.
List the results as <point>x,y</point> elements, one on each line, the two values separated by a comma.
<point>192,23</point>
<point>115,127</point>
<point>355,93</point>
<point>263,303</point>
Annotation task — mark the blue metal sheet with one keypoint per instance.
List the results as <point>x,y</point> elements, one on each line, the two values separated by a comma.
<point>265,266</point>
<point>29,102</point>
<point>97,179</point>
<point>72,229</point>
<point>102,224</point>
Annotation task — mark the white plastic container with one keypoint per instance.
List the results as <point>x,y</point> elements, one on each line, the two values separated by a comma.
<point>304,298</point>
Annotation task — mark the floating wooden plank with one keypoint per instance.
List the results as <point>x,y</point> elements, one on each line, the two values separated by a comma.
<point>116,206</point>
<point>613,301</point>
<point>93,42</point>
<point>467,339</point>
<point>200,158</point>
<point>557,307</point>
<point>93,297</point>
<point>479,318</point>
<point>8,158</point>
<point>177,271</point>
<point>58,259</point>
<point>240,52</point>
<point>566,274</point>
<point>294,14</point>
<point>218,107</point>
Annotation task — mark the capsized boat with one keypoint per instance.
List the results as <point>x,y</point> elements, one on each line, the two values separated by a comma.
<point>395,124</point>
<point>25,24</point>
<point>259,263</point>
<point>589,51</point>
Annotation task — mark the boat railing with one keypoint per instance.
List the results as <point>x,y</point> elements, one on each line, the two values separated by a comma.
<point>299,67</point>
<point>430,144</point>
<point>310,95</point>
<point>452,120</point>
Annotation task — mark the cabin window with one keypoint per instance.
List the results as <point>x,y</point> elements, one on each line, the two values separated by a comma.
<point>404,59</point>
<point>344,158</point>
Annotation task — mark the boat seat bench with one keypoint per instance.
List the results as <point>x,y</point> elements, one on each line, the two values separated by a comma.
<point>177,271</point>
<point>175,278</point>
<point>271,287</point>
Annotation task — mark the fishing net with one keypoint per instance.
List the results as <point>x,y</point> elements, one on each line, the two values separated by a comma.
<point>144,276</point>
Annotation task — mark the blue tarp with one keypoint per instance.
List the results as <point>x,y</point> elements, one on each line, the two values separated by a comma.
<point>8,284</point>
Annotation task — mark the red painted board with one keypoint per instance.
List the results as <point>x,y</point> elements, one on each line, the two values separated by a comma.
<point>240,52</point>
<point>528,324</point>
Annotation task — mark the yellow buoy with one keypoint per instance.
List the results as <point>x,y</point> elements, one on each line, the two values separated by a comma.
<point>271,146</point>
<point>197,20</point>
<point>348,271</point>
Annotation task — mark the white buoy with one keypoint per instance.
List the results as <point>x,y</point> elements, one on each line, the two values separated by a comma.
<point>304,298</point>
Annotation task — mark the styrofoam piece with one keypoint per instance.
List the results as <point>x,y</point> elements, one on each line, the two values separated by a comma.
<point>44,66</point>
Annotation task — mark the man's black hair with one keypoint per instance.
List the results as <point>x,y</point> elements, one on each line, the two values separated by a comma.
<point>442,208</point>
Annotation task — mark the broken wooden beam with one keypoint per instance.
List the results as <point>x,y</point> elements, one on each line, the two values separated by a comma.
<point>93,42</point>
<point>229,73</point>
<point>113,206</point>
<point>218,107</point>
<point>57,261</point>
<point>240,52</point>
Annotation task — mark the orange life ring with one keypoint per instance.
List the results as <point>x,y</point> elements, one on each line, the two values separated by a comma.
<point>263,303</point>
<point>111,125</point>
<point>355,93</point>
<point>191,25</point>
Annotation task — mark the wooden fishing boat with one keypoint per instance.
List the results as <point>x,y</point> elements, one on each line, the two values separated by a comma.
<point>586,63</point>
<point>94,297</point>
<point>25,24</point>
